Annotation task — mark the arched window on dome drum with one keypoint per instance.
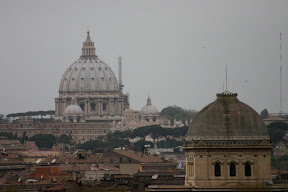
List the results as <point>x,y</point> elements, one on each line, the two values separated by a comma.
<point>217,169</point>
<point>232,169</point>
<point>247,169</point>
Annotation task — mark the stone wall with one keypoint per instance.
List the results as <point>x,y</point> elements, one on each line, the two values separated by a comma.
<point>200,169</point>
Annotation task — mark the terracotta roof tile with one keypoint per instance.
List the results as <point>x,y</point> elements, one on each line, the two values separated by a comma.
<point>10,161</point>
<point>85,167</point>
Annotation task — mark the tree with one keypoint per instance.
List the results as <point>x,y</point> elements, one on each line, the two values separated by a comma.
<point>93,144</point>
<point>44,140</point>
<point>175,112</point>
<point>121,139</point>
<point>142,132</point>
<point>42,113</point>
<point>274,162</point>
<point>264,114</point>
<point>277,131</point>
<point>51,113</point>
<point>115,141</point>
<point>122,134</point>
<point>156,132</point>
<point>138,146</point>
<point>64,139</point>
<point>3,119</point>
<point>24,137</point>
<point>169,143</point>
<point>179,132</point>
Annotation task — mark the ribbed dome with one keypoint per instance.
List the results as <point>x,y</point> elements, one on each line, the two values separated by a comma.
<point>88,73</point>
<point>149,108</point>
<point>227,118</point>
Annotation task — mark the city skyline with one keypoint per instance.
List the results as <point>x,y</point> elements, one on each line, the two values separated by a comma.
<point>176,52</point>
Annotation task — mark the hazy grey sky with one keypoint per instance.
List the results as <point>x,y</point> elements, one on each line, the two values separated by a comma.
<point>175,50</point>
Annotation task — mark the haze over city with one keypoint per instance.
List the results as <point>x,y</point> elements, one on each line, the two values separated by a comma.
<point>175,51</point>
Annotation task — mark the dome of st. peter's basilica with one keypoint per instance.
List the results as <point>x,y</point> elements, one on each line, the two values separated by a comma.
<point>93,85</point>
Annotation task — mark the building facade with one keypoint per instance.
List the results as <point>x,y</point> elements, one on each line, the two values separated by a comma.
<point>79,132</point>
<point>147,116</point>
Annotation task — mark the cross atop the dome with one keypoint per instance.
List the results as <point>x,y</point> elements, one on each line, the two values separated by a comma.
<point>88,49</point>
<point>88,37</point>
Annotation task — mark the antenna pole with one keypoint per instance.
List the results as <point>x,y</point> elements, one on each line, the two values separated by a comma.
<point>226,80</point>
<point>120,72</point>
<point>280,74</point>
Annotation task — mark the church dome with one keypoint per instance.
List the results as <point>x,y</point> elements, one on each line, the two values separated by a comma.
<point>149,108</point>
<point>73,109</point>
<point>88,73</point>
<point>227,118</point>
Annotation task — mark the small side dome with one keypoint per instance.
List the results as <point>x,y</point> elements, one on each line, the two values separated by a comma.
<point>149,108</point>
<point>73,109</point>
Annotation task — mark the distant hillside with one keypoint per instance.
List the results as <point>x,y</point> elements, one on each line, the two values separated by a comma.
<point>175,112</point>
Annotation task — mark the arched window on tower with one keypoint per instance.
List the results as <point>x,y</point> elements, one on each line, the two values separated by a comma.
<point>247,169</point>
<point>217,169</point>
<point>232,169</point>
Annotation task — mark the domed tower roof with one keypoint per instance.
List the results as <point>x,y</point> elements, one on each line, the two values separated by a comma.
<point>149,108</point>
<point>227,118</point>
<point>73,109</point>
<point>88,73</point>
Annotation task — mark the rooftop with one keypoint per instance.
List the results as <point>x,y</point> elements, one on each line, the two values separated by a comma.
<point>143,158</point>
